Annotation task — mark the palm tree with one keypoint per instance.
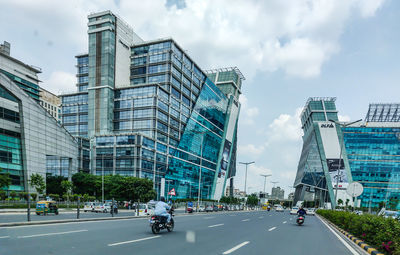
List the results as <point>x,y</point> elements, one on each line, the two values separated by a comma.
<point>340,201</point>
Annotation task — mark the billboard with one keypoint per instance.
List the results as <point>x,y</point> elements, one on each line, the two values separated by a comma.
<point>224,159</point>
<point>331,145</point>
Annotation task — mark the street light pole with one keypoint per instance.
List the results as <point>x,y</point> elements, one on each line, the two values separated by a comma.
<point>340,155</point>
<point>245,178</point>
<point>102,178</point>
<point>265,179</point>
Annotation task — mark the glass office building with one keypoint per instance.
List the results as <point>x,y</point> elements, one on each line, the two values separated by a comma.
<point>366,152</point>
<point>153,113</point>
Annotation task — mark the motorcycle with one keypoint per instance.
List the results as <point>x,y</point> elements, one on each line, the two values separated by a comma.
<point>158,223</point>
<point>300,220</point>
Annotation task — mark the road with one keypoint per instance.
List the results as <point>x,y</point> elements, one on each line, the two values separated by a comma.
<point>64,215</point>
<point>255,232</point>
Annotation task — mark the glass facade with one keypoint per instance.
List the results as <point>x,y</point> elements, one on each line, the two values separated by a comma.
<point>154,118</point>
<point>374,157</point>
<point>29,87</point>
<point>370,151</point>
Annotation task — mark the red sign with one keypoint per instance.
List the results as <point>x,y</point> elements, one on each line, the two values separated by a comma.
<point>172,192</point>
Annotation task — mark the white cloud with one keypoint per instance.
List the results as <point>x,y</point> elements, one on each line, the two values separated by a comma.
<point>250,149</point>
<point>286,127</point>
<point>296,36</point>
<point>344,118</point>
<point>247,113</point>
<point>59,82</point>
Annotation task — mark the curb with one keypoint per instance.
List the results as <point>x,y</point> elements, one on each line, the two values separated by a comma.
<point>357,241</point>
<point>13,224</point>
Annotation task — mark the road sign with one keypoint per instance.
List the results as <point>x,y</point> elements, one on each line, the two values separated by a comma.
<point>172,192</point>
<point>355,189</point>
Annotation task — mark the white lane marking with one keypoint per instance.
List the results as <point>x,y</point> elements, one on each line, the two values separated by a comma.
<point>261,217</point>
<point>270,215</point>
<point>190,236</point>
<point>284,222</point>
<point>57,233</point>
<point>236,247</point>
<point>206,218</point>
<point>271,229</point>
<point>246,220</point>
<point>341,239</point>
<point>4,237</point>
<point>133,241</point>
<point>216,225</point>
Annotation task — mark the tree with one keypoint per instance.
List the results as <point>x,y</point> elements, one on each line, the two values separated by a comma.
<point>37,181</point>
<point>53,184</point>
<point>85,183</point>
<point>347,202</point>
<point>13,194</point>
<point>340,201</point>
<point>33,195</point>
<point>3,195</point>
<point>5,179</point>
<point>54,196</point>
<point>23,195</point>
<point>67,186</point>
<point>252,200</point>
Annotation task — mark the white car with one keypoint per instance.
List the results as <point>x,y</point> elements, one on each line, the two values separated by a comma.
<point>310,211</point>
<point>89,207</point>
<point>146,209</point>
<point>294,210</point>
<point>100,207</point>
<point>279,209</point>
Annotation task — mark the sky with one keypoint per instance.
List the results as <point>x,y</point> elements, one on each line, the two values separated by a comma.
<point>287,50</point>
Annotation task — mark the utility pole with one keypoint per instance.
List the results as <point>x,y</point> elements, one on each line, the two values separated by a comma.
<point>340,155</point>
<point>102,178</point>
<point>245,179</point>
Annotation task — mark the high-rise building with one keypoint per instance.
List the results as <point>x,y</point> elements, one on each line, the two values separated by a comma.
<point>31,140</point>
<point>335,155</point>
<point>149,111</point>
<point>277,193</point>
<point>50,102</point>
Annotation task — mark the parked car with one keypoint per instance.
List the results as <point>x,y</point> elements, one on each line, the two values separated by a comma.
<point>146,209</point>
<point>279,209</point>
<point>89,207</point>
<point>102,207</point>
<point>294,210</point>
<point>391,214</point>
<point>209,208</point>
<point>310,211</point>
<point>202,208</point>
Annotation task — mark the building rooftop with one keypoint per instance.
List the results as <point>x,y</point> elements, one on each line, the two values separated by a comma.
<point>383,112</point>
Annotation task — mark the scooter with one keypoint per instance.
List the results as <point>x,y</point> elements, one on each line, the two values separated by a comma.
<point>158,223</point>
<point>300,220</point>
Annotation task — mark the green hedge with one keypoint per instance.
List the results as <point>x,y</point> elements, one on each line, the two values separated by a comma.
<point>382,233</point>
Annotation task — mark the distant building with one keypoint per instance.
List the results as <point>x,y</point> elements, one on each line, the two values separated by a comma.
<point>50,102</point>
<point>334,156</point>
<point>291,196</point>
<point>238,193</point>
<point>277,193</point>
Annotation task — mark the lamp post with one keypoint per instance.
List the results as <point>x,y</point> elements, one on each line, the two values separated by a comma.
<point>265,179</point>
<point>102,178</point>
<point>201,161</point>
<point>245,178</point>
<point>340,155</point>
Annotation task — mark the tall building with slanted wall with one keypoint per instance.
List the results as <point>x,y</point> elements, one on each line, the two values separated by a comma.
<point>148,110</point>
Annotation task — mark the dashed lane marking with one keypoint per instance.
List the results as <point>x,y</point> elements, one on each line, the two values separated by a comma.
<point>216,225</point>
<point>246,220</point>
<point>134,241</point>
<point>2,237</point>
<point>56,233</point>
<point>284,222</point>
<point>235,248</point>
<point>271,229</point>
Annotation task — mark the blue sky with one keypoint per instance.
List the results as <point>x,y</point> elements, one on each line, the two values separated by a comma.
<point>288,51</point>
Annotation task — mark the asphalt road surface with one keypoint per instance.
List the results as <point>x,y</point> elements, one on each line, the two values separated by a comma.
<point>254,232</point>
<point>63,215</point>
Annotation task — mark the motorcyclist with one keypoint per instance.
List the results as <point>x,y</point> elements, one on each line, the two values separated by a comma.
<point>161,209</point>
<point>301,212</point>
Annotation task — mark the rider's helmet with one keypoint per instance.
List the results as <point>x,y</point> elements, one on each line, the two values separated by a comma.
<point>162,199</point>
